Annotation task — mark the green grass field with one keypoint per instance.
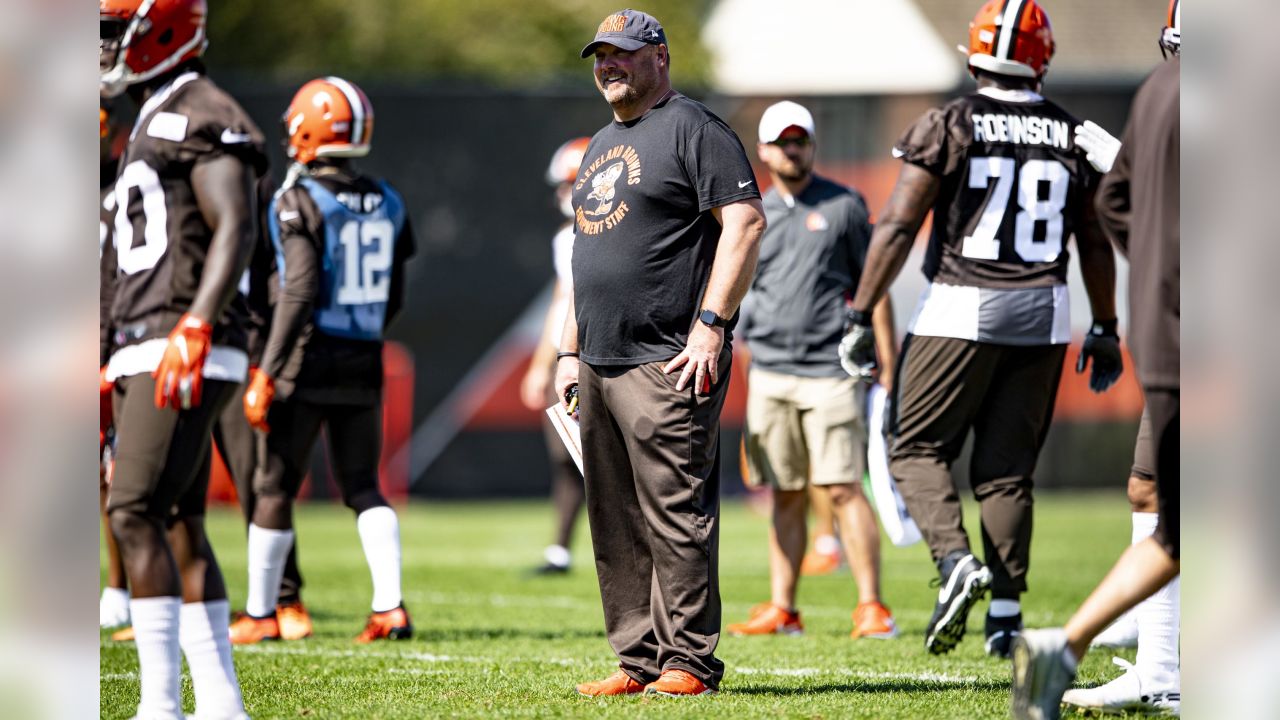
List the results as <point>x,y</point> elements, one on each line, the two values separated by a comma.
<point>492,641</point>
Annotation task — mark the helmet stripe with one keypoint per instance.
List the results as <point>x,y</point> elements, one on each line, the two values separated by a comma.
<point>1011,17</point>
<point>1175,15</point>
<point>358,109</point>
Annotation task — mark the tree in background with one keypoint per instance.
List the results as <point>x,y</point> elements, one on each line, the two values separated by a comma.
<point>499,42</point>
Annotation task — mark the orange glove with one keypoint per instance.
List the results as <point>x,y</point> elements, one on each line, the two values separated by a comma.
<point>105,388</point>
<point>258,397</point>
<point>180,375</point>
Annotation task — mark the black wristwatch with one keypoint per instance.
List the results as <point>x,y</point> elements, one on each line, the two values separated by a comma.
<point>711,319</point>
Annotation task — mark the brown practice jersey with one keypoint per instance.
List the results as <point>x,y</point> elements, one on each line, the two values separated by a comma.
<point>306,361</point>
<point>160,237</point>
<point>1014,188</point>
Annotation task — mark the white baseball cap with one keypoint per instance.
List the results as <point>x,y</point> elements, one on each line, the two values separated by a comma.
<point>780,116</point>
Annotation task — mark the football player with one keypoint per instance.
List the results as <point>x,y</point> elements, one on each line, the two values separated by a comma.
<point>341,239</point>
<point>536,393</point>
<point>1138,202</point>
<point>1008,187</point>
<point>232,434</point>
<point>184,223</point>
<point>113,606</point>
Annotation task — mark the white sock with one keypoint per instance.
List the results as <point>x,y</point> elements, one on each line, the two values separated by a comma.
<point>1158,618</point>
<point>557,555</point>
<point>155,628</point>
<point>206,642</point>
<point>113,607</point>
<point>1004,608</point>
<point>1144,526</point>
<point>380,535</point>
<point>267,552</point>
<point>826,545</point>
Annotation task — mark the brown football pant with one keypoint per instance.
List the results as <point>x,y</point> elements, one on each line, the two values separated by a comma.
<point>651,457</point>
<point>1164,407</point>
<point>1005,394</point>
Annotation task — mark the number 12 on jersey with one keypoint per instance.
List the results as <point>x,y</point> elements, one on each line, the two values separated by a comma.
<point>984,243</point>
<point>366,261</point>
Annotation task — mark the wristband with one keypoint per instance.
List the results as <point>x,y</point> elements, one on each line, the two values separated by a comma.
<point>561,355</point>
<point>1104,327</point>
<point>858,317</point>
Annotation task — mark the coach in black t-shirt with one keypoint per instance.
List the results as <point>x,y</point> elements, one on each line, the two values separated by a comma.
<point>668,224</point>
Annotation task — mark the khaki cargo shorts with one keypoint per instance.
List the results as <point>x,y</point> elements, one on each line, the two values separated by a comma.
<point>801,430</point>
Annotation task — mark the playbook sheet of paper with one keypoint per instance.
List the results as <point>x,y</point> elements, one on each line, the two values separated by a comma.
<point>895,519</point>
<point>567,428</point>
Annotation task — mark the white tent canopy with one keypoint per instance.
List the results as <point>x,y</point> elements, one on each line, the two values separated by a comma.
<point>827,47</point>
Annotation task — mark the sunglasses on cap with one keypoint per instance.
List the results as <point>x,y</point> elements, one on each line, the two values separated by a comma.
<point>800,141</point>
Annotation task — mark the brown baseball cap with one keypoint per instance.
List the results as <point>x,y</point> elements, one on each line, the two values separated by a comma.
<point>629,30</point>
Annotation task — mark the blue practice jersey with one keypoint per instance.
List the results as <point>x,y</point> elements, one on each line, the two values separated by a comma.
<point>355,270</point>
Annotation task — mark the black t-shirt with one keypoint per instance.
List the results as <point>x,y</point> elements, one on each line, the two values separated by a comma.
<point>645,236</point>
<point>1013,189</point>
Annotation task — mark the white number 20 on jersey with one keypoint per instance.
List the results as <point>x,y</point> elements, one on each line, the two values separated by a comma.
<point>365,274</point>
<point>984,243</point>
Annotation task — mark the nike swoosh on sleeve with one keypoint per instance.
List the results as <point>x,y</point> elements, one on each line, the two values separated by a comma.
<point>234,138</point>
<point>744,184</point>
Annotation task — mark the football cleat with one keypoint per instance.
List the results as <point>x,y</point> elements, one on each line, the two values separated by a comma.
<point>816,563</point>
<point>1001,632</point>
<point>769,619</point>
<point>295,621</point>
<point>873,620</point>
<point>619,683</point>
<point>1040,674</point>
<point>248,630</point>
<point>1128,692</point>
<point>393,624</point>
<point>1123,633</point>
<point>677,683</point>
<point>964,581</point>
<point>123,635</point>
<point>113,608</point>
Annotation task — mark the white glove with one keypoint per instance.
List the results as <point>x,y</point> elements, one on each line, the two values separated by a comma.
<point>1100,146</point>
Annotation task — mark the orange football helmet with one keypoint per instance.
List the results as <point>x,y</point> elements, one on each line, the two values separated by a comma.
<point>328,117</point>
<point>1011,37</point>
<point>1171,36</point>
<point>140,39</point>
<point>565,163</point>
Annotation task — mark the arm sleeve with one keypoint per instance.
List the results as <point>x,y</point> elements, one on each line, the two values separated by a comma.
<point>406,246</point>
<point>300,278</point>
<point>857,235</point>
<point>717,166</point>
<point>1113,201</point>
<point>261,266</point>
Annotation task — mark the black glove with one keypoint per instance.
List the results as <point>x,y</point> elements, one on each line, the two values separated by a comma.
<point>1102,344</point>
<point>858,346</point>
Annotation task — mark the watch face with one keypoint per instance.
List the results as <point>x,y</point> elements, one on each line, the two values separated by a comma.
<point>710,319</point>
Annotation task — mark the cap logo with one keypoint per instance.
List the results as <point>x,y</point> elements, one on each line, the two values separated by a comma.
<point>613,24</point>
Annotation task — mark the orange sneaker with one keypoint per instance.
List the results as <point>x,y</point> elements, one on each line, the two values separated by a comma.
<point>769,619</point>
<point>123,635</point>
<point>295,622</point>
<point>816,563</point>
<point>619,683</point>
<point>873,620</point>
<point>393,624</point>
<point>247,629</point>
<point>677,683</point>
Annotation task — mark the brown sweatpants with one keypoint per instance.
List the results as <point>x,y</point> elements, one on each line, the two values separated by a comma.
<point>1005,394</point>
<point>651,457</point>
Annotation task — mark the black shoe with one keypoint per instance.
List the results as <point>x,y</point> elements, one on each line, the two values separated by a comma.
<point>1000,634</point>
<point>964,581</point>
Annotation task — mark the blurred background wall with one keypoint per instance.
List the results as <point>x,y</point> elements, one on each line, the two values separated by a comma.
<point>472,98</point>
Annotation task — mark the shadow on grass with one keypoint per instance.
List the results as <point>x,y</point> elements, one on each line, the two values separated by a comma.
<point>454,634</point>
<point>889,685</point>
